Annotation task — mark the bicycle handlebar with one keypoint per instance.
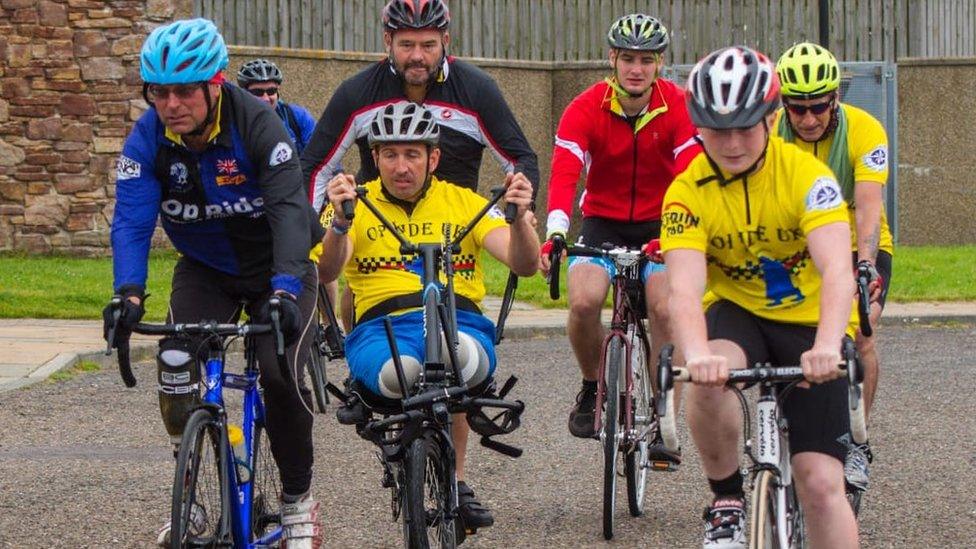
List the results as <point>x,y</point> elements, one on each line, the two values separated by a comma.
<point>864,300</point>
<point>607,251</point>
<point>188,329</point>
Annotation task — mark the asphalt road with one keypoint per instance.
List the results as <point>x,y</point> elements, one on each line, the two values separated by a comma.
<point>85,462</point>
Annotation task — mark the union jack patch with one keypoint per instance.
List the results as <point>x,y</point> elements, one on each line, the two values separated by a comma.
<point>227,166</point>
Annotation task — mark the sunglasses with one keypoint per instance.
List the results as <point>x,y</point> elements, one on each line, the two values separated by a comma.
<point>258,92</point>
<point>817,109</point>
<point>156,92</point>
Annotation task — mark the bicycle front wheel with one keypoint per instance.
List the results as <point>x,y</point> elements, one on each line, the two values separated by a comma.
<point>265,511</point>
<point>764,529</point>
<point>609,431</point>
<point>316,372</point>
<point>635,463</point>
<point>425,492</point>
<point>199,503</point>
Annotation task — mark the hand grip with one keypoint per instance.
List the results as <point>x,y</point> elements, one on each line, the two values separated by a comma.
<point>511,212</point>
<point>348,210</point>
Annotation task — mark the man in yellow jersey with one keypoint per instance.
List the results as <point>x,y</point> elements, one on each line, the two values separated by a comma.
<point>763,228</point>
<point>403,138</point>
<point>854,144</point>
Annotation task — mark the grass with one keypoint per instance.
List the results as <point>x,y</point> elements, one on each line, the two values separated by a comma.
<point>67,287</point>
<point>80,367</point>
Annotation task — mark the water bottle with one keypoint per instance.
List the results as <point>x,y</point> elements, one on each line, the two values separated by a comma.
<point>235,435</point>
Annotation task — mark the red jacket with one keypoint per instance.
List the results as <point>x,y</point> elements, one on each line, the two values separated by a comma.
<point>628,166</point>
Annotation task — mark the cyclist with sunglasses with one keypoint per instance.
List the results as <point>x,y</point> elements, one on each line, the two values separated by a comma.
<point>217,166</point>
<point>763,229</point>
<point>404,138</point>
<point>855,146</point>
<point>632,135</point>
<point>263,79</point>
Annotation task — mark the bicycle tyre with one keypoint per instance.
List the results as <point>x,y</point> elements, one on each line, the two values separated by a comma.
<point>635,463</point>
<point>608,432</point>
<point>200,503</point>
<point>425,496</point>
<point>763,530</point>
<point>316,372</point>
<point>265,511</point>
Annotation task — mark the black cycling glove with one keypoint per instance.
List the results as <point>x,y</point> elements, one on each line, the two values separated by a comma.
<point>131,315</point>
<point>291,317</point>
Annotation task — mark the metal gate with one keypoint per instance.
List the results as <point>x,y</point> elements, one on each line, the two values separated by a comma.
<point>871,86</point>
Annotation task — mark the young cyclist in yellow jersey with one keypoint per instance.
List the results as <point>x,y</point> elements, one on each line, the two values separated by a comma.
<point>763,228</point>
<point>854,144</point>
<point>404,139</point>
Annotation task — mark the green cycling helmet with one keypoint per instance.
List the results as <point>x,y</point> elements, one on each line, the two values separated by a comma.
<point>807,71</point>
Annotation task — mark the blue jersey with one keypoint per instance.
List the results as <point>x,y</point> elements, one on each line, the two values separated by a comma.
<point>238,206</point>
<point>296,118</point>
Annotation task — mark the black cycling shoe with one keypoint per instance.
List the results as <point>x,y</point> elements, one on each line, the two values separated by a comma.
<point>352,412</point>
<point>473,514</point>
<point>657,452</point>
<point>583,413</point>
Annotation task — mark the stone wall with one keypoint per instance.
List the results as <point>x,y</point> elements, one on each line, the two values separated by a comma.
<point>69,92</point>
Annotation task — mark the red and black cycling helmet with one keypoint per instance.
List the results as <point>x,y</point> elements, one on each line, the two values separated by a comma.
<point>732,88</point>
<point>416,14</point>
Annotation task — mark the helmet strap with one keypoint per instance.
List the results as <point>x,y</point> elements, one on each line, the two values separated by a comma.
<point>211,110</point>
<point>744,174</point>
<point>615,84</point>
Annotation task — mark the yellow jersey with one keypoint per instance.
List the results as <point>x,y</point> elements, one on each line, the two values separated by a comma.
<point>867,149</point>
<point>753,231</point>
<point>377,271</point>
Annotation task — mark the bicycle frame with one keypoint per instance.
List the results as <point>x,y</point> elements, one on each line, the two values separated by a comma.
<point>624,319</point>
<point>215,380</point>
<point>773,452</point>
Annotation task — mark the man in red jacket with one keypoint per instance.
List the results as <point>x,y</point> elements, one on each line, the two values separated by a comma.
<point>632,134</point>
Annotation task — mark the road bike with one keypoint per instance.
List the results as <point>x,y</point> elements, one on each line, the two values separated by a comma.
<point>625,419</point>
<point>776,517</point>
<point>221,498</point>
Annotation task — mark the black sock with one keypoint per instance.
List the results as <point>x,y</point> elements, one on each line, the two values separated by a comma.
<point>589,385</point>
<point>728,487</point>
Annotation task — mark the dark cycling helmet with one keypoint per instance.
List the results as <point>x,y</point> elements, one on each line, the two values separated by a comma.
<point>416,14</point>
<point>183,52</point>
<point>404,122</point>
<point>259,70</point>
<point>638,32</point>
<point>808,71</point>
<point>731,88</point>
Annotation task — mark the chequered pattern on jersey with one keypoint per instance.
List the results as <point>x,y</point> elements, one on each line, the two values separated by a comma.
<point>463,265</point>
<point>752,269</point>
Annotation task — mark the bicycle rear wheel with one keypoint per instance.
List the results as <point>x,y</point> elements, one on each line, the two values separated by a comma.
<point>316,371</point>
<point>635,463</point>
<point>764,531</point>
<point>199,500</point>
<point>425,493</point>
<point>609,431</point>
<point>265,511</point>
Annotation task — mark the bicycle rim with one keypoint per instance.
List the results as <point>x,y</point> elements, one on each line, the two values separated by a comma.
<point>198,507</point>
<point>265,515</point>
<point>425,497</point>
<point>316,371</point>
<point>635,466</point>
<point>763,530</point>
<point>611,418</point>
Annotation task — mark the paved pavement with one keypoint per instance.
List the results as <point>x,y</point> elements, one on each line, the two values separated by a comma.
<point>32,349</point>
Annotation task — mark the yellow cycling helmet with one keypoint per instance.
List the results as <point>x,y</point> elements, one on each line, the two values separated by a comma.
<point>807,70</point>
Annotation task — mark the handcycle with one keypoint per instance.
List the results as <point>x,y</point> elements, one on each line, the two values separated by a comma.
<point>625,420</point>
<point>221,498</point>
<point>328,343</point>
<point>413,434</point>
<point>776,518</point>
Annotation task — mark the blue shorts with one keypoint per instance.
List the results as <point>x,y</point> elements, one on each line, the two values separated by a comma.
<point>649,268</point>
<point>367,349</point>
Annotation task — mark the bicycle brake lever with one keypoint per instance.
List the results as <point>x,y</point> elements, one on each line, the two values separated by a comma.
<point>116,303</point>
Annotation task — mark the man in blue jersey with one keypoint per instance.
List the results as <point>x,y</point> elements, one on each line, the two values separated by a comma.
<point>221,172</point>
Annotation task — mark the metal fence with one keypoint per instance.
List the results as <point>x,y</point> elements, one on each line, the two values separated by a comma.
<point>575,30</point>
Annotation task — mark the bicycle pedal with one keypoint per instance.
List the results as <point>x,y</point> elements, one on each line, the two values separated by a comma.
<point>662,465</point>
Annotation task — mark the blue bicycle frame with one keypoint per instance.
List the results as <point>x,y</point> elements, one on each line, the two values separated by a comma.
<point>215,381</point>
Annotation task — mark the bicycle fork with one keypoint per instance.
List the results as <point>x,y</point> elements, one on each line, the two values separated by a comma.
<point>771,431</point>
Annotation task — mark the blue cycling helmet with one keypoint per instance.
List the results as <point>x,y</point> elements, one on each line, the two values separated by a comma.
<point>183,52</point>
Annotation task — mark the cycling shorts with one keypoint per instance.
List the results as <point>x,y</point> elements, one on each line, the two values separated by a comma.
<point>817,416</point>
<point>597,231</point>
<point>367,348</point>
